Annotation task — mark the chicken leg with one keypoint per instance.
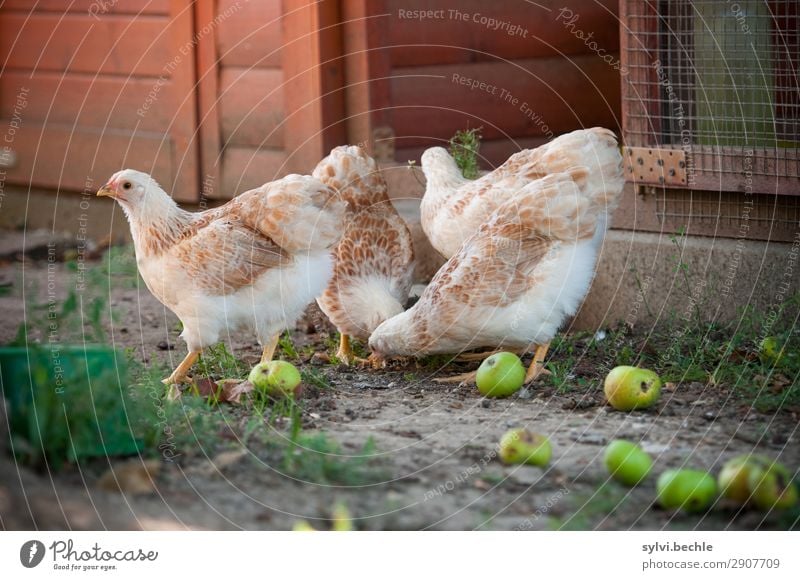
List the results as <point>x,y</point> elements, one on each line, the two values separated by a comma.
<point>269,351</point>
<point>536,367</point>
<point>179,374</point>
<point>463,378</point>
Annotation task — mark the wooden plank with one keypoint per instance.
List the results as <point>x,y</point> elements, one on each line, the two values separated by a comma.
<point>252,107</point>
<point>182,128</point>
<point>251,34</point>
<point>477,30</point>
<point>114,44</point>
<point>94,8</point>
<point>243,169</point>
<point>88,101</point>
<point>554,95</point>
<point>313,82</point>
<point>64,157</point>
<point>210,141</point>
<point>367,70</point>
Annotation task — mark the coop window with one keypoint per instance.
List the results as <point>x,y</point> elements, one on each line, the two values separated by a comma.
<point>718,80</point>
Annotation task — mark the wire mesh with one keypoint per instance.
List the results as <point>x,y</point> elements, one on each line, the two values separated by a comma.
<point>718,79</point>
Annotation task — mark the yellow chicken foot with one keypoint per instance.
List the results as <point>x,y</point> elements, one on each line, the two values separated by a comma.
<point>345,353</point>
<point>464,378</point>
<point>179,375</point>
<point>536,368</point>
<point>269,350</point>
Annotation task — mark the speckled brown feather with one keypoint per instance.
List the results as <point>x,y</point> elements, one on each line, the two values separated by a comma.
<point>376,242</point>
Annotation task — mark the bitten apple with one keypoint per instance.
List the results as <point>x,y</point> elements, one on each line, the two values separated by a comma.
<point>627,462</point>
<point>500,375</point>
<point>772,487</point>
<point>733,478</point>
<point>276,378</point>
<point>629,388</point>
<point>523,446</point>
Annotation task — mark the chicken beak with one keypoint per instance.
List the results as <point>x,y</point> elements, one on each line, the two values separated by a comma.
<point>105,191</point>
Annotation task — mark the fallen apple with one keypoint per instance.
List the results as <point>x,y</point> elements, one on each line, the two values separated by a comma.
<point>629,388</point>
<point>686,489</point>
<point>733,478</point>
<point>627,462</point>
<point>276,378</point>
<point>772,487</point>
<point>500,375</point>
<point>523,446</point>
<point>769,351</point>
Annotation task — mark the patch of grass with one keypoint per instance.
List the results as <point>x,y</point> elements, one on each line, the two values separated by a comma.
<point>464,146</point>
<point>590,508</point>
<point>218,361</point>
<point>286,346</point>
<point>315,457</point>
<point>315,377</point>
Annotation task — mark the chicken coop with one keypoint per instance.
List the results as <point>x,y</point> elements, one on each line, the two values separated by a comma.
<point>711,114</point>
<point>213,97</point>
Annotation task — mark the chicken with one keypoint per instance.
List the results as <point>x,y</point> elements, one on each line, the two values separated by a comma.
<point>453,208</point>
<point>255,262</point>
<point>374,259</point>
<point>511,284</point>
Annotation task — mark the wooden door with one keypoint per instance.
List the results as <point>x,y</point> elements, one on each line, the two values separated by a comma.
<point>89,87</point>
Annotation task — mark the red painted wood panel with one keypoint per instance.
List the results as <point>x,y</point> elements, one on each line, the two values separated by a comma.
<point>67,158</point>
<point>85,101</point>
<point>553,94</point>
<point>243,169</point>
<point>120,45</point>
<point>95,8</point>
<point>251,34</point>
<point>102,94</point>
<point>508,30</point>
<point>251,107</point>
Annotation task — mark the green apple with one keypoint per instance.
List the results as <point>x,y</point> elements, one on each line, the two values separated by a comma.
<point>687,489</point>
<point>769,351</point>
<point>500,375</point>
<point>733,478</point>
<point>772,487</point>
<point>277,378</point>
<point>629,388</point>
<point>627,462</point>
<point>523,446</point>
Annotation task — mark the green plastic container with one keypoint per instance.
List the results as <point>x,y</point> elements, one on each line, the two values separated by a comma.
<point>66,402</point>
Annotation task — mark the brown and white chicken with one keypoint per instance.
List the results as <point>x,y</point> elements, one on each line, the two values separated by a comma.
<point>255,262</point>
<point>374,259</point>
<point>453,208</point>
<point>515,280</point>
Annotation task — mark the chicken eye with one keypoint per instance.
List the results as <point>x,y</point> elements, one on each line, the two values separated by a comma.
<point>126,185</point>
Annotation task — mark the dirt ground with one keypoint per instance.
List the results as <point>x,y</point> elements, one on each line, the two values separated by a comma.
<point>435,446</point>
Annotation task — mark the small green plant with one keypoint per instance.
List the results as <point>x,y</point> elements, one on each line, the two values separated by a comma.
<point>286,346</point>
<point>464,146</point>
<point>314,377</point>
<point>315,457</point>
<point>218,361</point>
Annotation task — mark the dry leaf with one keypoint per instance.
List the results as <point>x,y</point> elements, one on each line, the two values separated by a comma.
<point>134,477</point>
